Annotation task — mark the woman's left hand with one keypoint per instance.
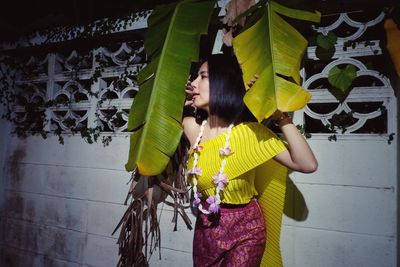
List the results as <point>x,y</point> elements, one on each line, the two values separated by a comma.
<point>299,156</point>
<point>281,118</point>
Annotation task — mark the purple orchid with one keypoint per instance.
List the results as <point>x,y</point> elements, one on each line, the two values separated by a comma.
<point>198,148</point>
<point>225,151</point>
<point>197,199</point>
<point>220,179</point>
<point>214,204</point>
<point>195,171</point>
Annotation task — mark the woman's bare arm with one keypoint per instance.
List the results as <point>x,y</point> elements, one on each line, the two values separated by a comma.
<point>299,156</point>
<point>190,128</point>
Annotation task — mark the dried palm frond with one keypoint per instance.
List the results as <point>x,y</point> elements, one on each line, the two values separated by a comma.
<point>140,230</point>
<point>234,9</point>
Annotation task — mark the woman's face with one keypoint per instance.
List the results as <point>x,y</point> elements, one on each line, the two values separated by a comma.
<point>201,88</point>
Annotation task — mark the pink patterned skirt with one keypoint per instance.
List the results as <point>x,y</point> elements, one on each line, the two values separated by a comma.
<point>235,238</point>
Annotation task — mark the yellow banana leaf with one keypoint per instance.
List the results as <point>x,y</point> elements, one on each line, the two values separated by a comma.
<point>273,50</point>
<point>393,43</point>
<point>172,41</point>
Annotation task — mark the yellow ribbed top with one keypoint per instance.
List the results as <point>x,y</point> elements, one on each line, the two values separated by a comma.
<point>251,172</point>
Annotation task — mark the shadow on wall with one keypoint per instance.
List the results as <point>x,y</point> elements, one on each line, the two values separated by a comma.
<point>13,170</point>
<point>295,205</point>
<point>12,205</point>
<point>39,229</point>
<point>25,242</point>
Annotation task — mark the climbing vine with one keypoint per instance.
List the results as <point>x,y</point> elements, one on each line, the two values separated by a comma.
<point>341,80</point>
<point>28,114</point>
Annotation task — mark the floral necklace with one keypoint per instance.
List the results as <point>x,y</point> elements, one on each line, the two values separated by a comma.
<point>220,179</point>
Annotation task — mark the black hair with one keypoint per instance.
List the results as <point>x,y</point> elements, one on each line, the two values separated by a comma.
<point>227,89</point>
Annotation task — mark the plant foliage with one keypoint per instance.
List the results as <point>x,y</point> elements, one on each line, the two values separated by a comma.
<point>28,116</point>
<point>272,49</point>
<point>172,42</point>
<point>327,41</point>
<point>342,78</point>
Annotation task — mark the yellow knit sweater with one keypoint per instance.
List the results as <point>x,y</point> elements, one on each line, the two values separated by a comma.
<point>251,171</point>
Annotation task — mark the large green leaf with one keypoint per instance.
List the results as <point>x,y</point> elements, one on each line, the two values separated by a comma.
<point>172,41</point>
<point>273,50</point>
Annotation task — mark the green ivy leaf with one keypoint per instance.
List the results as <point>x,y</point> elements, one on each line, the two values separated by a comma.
<point>342,78</point>
<point>327,41</point>
<point>324,54</point>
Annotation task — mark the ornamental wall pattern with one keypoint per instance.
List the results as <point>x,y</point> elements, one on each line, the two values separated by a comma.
<point>371,99</point>
<point>68,77</point>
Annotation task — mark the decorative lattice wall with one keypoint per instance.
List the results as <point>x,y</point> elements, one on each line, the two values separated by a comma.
<point>92,88</point>
<point>371,99</point>
<point>99,85</point>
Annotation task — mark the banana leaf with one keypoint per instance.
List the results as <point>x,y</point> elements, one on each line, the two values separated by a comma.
<point>273,50</point>
<point>392,38</point>
<point>172,42</point>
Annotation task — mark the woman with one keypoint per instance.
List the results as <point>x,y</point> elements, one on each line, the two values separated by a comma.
<point>227,150</point>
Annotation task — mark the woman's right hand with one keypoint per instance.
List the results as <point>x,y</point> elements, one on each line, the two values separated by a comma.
<point>189,94</point>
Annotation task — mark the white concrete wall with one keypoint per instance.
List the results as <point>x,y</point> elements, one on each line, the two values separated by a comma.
<point>398,173</point>
<point>64,201</point>
<point>351,203</point>
<point>4,140</point>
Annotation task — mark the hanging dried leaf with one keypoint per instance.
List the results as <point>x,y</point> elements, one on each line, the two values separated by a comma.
<point>139,226</point>
<point>234,8</point>
<point>227,37</point>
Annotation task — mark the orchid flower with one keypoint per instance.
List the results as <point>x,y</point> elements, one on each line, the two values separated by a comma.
<point>197,199</point>
<point>225,151</point>
<point>220,179</point>
<point>195,171</point>
<point>197,147</point>
<point>214,204</point>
